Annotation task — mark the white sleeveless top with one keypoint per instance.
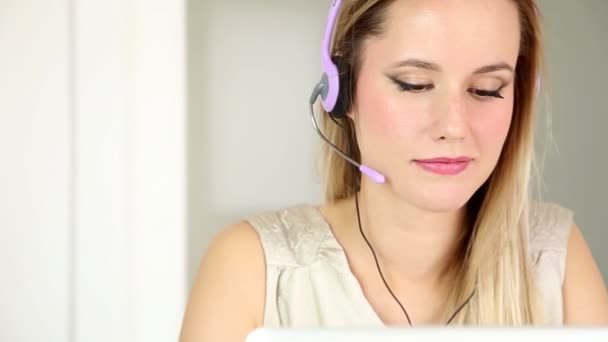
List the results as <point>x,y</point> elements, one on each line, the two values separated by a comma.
<point>309,282</point>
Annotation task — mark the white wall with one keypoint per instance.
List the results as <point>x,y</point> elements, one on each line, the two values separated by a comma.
<point>92,136</point>
<point>35,172</point>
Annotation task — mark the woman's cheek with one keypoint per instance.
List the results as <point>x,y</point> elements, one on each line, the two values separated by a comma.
<point>492,127</point>
<point>392,119</point>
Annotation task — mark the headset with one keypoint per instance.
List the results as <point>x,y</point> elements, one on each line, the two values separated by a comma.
<point>334,89</point>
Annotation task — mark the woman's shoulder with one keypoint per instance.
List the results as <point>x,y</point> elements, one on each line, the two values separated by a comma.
<point>550,226</point>
<point>233,264</point>
<point>290,235</point>
<point>567,273</point>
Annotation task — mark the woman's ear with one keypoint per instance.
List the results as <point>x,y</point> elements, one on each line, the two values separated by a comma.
<point>351,113</point>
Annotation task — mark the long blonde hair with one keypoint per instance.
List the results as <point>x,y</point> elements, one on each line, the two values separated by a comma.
<point>494,259</point>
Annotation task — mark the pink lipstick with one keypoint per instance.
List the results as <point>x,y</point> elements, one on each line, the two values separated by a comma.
<point>444,165</point>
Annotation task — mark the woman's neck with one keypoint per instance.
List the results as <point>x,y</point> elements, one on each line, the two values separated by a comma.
<point>413,245</point>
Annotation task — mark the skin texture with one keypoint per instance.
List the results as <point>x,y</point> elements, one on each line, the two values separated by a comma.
<point>396,127</point>
<point>414,220</point>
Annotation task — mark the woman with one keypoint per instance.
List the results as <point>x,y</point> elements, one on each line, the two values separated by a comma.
<point>437,96</point>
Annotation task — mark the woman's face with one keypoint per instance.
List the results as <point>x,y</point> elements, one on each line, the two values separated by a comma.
<point>438,83</point>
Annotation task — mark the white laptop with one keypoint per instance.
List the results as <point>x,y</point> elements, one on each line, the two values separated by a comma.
<point>424,334</point>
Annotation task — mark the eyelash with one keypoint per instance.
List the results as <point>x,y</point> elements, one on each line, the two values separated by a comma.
<point>415,88</point>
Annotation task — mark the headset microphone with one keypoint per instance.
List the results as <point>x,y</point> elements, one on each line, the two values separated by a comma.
<point>333,97</point>
<point>376,176</point>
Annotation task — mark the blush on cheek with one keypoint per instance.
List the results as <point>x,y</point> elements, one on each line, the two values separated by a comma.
<point>390,118</point>
<point>492,127</point>
<point>384,113</point>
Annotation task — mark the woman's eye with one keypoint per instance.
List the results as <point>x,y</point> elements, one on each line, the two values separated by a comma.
<point>414,88</point>
<point>417,88</point>
<point>486,93</point>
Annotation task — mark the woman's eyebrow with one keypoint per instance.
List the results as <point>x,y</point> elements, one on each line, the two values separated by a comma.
<point>417,63</point>
<point>422,64</point>
<point>494,67</point>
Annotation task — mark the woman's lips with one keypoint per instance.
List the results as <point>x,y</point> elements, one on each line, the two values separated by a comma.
<point>444,165</point>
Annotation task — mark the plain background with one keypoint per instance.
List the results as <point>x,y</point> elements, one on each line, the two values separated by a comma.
<point>132,131</point>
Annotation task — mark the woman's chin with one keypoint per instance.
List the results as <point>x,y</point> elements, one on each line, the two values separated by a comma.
<point>440,200</point>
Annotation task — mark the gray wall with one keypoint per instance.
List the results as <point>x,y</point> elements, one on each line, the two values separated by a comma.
<point>576,167</point>
<point>252,65</point>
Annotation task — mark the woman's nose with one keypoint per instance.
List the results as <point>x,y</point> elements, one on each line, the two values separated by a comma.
<point>450,118</point>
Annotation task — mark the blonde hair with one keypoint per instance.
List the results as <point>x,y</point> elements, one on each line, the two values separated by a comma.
<point>493,258</point>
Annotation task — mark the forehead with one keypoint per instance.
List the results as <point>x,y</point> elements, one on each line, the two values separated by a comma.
<point>457,33</point>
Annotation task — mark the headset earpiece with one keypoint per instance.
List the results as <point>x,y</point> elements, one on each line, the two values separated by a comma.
<point>343,101</point>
